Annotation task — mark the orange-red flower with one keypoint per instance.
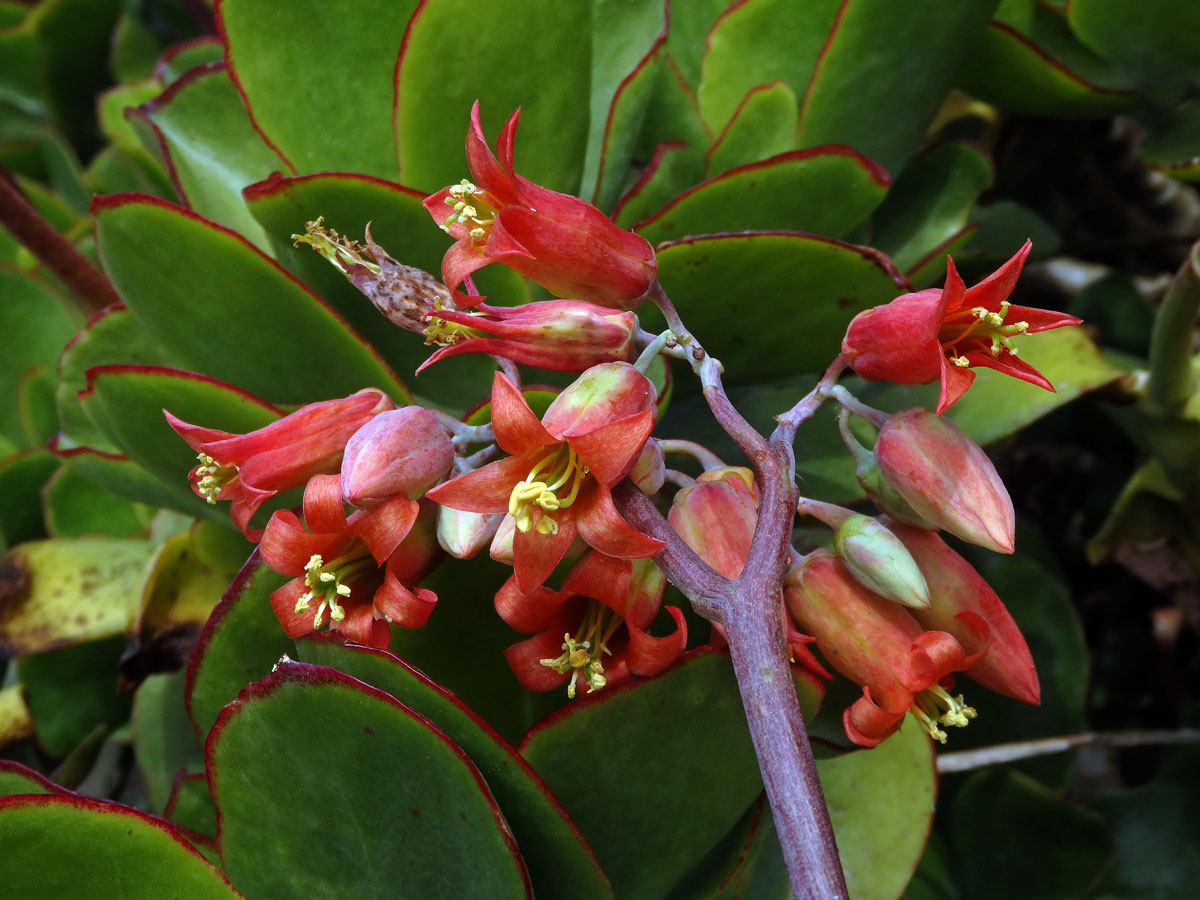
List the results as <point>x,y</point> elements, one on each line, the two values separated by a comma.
<point>557,482</point>
<point>593,631</point>
<point>351,572</point>
<point>249,469</point>
<point>563,243</point>
<point>939,334</point>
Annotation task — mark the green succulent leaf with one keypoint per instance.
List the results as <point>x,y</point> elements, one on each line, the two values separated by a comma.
<point>18,779</point>
<point>75,507</point>
<point>22,477</point>
<point>930,202</point>
<point>210,146</point>
<point>1028,61</point>
<point>412,812</point>
<point>762,126</point>
<point>191,805</point>
<point>1154,40</point>
<point>827,190</point>
<point>163,738</point>
<point>200,289</point>
<point>108,852</point>
<point>240,643</point>
<point>181,58</point>
<point>1007,835</point>
<point>1173,144</point>
<point>559,859</point>
<point>776,285</point>
<point>431,114</point>
<point>673,168</point>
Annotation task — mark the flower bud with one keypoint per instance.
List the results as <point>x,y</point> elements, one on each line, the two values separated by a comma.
<point>649,470</point>
<point>463,534</point>
<point>945,478</point>
<point>716,518</point>
<point>562,335</point>
<point>880,562</point>
<point>870,477</point>
<point>501,549</point>
<point>403,451</point>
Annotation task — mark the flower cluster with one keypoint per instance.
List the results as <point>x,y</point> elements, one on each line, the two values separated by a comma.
<point>389,490</point>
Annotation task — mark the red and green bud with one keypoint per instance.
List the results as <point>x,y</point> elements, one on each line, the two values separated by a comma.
<point>561,242</point>
<point>870,477</point>
<point>880,562</point>
<point>946,478</point>
<point>562,335</point>
<point>716,517</point>
<point>249,469</point>
<point>649,470</point>
<point>879,645</point>
<point>402,451</point>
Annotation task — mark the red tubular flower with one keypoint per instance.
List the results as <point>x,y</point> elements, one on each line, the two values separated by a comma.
<point>558,480</point>
<point>249,469</point>
<point>963,604</point>
<point>940,333</point>
<point>351,571</point>
<point>594,630</point>
<point>562,335</point>
<point>880,645</point>
<point>563,243</point>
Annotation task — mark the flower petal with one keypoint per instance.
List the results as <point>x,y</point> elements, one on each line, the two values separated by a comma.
<point>955,381</point>
<point>994,289</point>
<point>485,490</point>
<point>384,527</point>
<point>194,435</point>
<point>528,611</point>
<point>609,451</point>
<point>283,602</point>
<point>868,723</point>
<point>517,428</point>
<point>1011,364</point>
<point>400,606</point>
<point>649,655</point>
<point>603,528</point>
<point>323,507</point>
<point>535,555</point>
<point>286,546</point>
<point>489,175</point>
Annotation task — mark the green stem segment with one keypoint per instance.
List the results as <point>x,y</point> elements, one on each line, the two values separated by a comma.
<point>1172,382</point>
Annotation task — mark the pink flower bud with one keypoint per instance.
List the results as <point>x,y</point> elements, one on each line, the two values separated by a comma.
<point>716,518</point>
<point>945,478</point>
<point>563,335</point>
<point>649,470</point>
<point>880,562</point>
<point>463,534</point>
<point>501,549</point>
<point>403,451</point>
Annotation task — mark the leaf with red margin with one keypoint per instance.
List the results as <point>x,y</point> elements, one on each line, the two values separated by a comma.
<point>930,202</point>
<point>191,806</point>
<point>179,59</point>
<point>227,310</point>
<point>627,40</point>
<point>762,126</point>
<point>128,402</point>
<point>560,862</point>
<point>826,190</point>
<point>691,21</point>
<point>930,269</point>
<point>1028,61</point>
<point>239,643</point>
<point>102,850</point>
<point>375,799</point>
<point>673,168</point>
<point>1155,40</point>
<point>211,150</point>
<point>790,293</point>
<point>118,473</point>
<point>725,873</point>
<point>18,779</point>
<point>536,55</point>
<point>316,76</point>
<point>897,62</point>
<point>654,769</point>
<point>759,42</point>
<point>399,224</point>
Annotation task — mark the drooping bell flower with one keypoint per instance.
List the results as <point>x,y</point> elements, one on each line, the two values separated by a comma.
<point>557,482</point>
<point>561,335</point>
<point>563,243</point>
<point>592,633</point>
<point>961,603</point>
<point>249,469</point>
<point>400,451</point>
<point>879,645</point>
<point>353,573</point>
<point>945,478</point>
<point>939,334</point>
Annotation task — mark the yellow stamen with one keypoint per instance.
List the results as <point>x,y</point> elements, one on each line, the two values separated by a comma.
<point>326,583</point>
<point>212,477</point>
<point>582,653</point>
<point>934,706</point>
<point>537,495</point>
